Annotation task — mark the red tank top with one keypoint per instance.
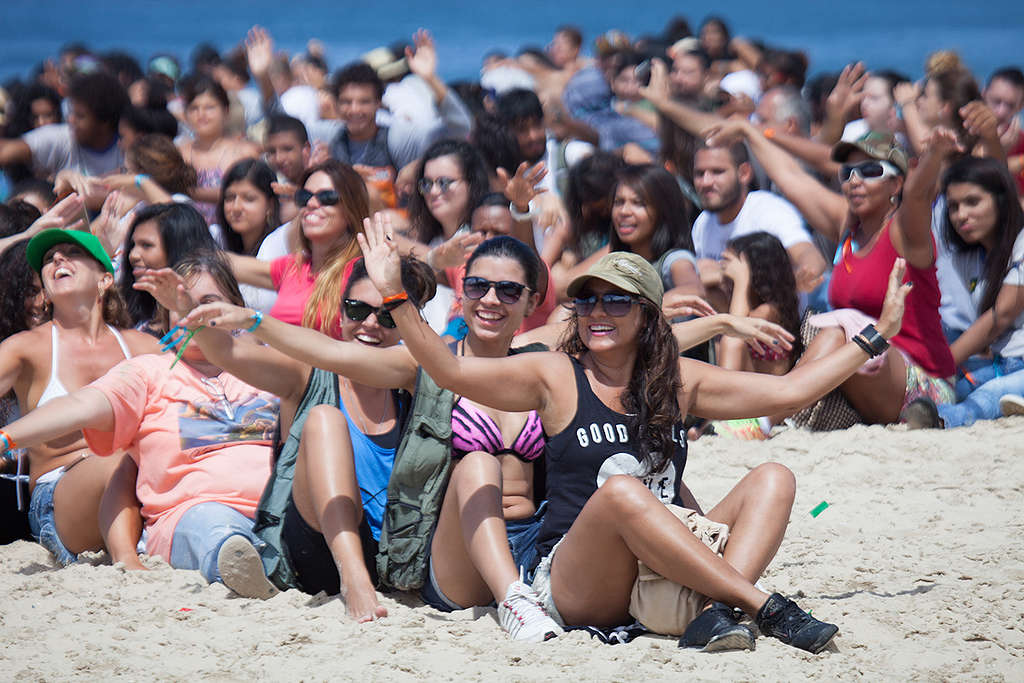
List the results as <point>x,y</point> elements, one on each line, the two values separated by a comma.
<point>860,282</point>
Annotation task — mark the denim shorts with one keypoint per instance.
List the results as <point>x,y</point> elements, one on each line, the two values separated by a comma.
<point>42,523</point>
<point>522,541</point>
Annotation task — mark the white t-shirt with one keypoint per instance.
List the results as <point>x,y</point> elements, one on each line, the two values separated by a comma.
<point>762,211</point>
<point>274,246</point>
<point>54,149</point>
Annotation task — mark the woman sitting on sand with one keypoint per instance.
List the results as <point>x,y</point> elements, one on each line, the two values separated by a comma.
<point>199,437</point>
<point>878,218</point>
<point>612,405</point>
<point>81,343</point>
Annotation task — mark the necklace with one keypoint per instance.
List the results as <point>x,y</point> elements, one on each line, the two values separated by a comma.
<point>357,404</point>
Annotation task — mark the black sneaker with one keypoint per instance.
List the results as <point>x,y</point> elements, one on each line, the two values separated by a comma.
<point>716,630</point>
<point>782,618</point>
<point>922,413</point>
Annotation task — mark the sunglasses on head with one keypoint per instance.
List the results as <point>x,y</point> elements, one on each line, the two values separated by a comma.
<point>324,197</point>
<point>477,287</point>
<point>615,305</point>
<point>868,170</point>
<point>360,310</point>
<point>443,184</point>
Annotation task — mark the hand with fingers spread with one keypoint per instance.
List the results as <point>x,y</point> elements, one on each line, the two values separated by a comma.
<point>676,304</point>
<point>167,287</point>
<point>844,100</point>
<point>110,227</point>
<point>943,142</point>
<point>454,251</point>
<point>423,60</point>
<point>980,121</point>
<point>380,254</point>
<point>259,50</point>
<point>67,214</point>
<point>87,187</point>
<point>758,333</point>
<point>523,186</point>
<point>891,318</point>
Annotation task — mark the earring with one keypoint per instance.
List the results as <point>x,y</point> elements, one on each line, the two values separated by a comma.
<point>892,199</point>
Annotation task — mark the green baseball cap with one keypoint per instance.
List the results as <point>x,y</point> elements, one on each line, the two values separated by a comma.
<point>881,146</point>
<point>41,243</point>
<point>629,272</point>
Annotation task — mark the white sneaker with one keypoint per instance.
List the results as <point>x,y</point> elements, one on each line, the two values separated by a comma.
<point>1011,404</point>
<point>523,617</point>
<point>241,569</point>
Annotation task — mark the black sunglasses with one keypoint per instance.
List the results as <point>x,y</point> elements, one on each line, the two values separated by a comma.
<point>867,170</point>
<point>443,184</point>
<point>360,310</point>
<point>325,197</point>
<point>477,287</point>
<point>615,305</point>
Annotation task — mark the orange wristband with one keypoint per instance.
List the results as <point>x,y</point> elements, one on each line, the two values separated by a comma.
<point>401,296</point>
<point>768,133</point>
<point>8,442</point>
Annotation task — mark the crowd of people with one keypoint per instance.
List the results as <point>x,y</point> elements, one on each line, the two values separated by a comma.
<point>360,329</point>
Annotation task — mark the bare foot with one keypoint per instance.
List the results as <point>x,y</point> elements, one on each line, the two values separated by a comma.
<point>132,563</point>
<point>361,603</point>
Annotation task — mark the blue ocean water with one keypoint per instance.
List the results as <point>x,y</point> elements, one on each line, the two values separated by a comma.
<point>885,34</point>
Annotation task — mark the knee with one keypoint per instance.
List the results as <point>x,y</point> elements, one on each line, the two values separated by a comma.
<point>625,494</point>
<point>322,418</point>
<point>777,480</point>
<point>829,338</point>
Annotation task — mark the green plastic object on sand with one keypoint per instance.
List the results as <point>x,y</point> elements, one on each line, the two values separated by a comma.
<point>819,508</point>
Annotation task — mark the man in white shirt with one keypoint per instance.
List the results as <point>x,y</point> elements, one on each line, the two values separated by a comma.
<point>87,143</point>
<point>722,177</point>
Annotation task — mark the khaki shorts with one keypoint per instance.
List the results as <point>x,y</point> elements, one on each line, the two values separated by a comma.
<point>666,607</point>
<point>657,603</point>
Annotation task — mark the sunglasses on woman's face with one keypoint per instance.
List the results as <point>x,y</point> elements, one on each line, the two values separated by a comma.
<point>615,305</point>
<point>323,197</point>
<point>442,184</point>
<point>868,171</point>
<point>477,287</point>
<point>360,310</point>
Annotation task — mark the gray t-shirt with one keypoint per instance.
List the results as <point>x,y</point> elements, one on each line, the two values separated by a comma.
<point>54,149</point>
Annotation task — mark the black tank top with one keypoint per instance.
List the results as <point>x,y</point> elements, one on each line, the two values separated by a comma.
<point>595,446</point>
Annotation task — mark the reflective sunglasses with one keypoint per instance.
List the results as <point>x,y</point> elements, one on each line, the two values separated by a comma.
<point>325,197</point>
<point>868,171</point>
<point>360,310</point>
<point>443,184</point>
<point>477,287</point>
<point>615,305</point>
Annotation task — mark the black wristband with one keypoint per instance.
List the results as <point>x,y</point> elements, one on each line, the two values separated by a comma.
<point>877,342</point>
<point>863,344</point>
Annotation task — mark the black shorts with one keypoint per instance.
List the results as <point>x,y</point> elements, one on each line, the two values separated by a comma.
<point>310,557</point>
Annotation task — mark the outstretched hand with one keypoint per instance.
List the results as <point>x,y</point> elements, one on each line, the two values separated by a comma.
<point>844,100</point>
<point>259,50</point>
<point>455,250</point>
<point>891,319</point>
<point>380,254</point>
<point>219,314</point>
<point>678,305</point>
<point>760,334</point>
<point>943,142</point>
<point>67,214</point>
<point>523,186</point>
<point>167,287</point>
<point>423,60</point>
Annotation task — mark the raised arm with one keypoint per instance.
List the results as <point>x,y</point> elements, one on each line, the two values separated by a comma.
<point>521,378</point>
<point>658,93</point>
<point>914,217</point>
<point>388,368</point>
<point>822,208</point>
<point>81,409</point>
<point>249,270</point>
<point>715,393</point>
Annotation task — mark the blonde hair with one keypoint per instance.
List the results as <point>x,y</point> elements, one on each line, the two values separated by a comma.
<point>323,308</point>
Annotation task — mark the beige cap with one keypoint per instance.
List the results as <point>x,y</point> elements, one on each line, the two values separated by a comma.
<point>629,272</point>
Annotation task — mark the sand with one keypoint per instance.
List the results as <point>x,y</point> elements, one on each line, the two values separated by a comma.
<point>919,558</point>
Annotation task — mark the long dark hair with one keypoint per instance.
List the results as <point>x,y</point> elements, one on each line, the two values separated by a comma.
<point>504,246</point>
<point>592,180</point>
<point>650,397</point>
<point>260,176</point>
<point>474,173</point>
<point>992,177</point>
<point>673,215</point>
<point>772,280</point>
<point>183,231</point>
<point>20,284</point>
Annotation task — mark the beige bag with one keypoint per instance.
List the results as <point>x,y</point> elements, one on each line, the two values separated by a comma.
<point>664,606</point>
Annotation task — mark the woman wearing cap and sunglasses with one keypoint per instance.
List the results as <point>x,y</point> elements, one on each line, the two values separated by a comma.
<point>81,343</point>
<point>612,405</point>
<point>883,214</point>
<point>489,517</point>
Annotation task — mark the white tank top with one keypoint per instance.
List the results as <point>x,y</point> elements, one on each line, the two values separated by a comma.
<point>55,388</point>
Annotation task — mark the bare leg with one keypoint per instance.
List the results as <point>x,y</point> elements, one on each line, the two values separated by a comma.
<point>757,512</point>
<point>76,502</point>
<point>120,516</point>
<point>594,570</point>
<point>472,562</point>
<point>327,496</point>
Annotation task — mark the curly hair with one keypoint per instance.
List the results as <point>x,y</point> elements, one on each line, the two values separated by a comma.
<point>772,280</point>
<point>21,283</point>
<point>650,397</point>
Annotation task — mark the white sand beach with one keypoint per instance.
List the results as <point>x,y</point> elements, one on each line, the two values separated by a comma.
<point>919,558</point>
